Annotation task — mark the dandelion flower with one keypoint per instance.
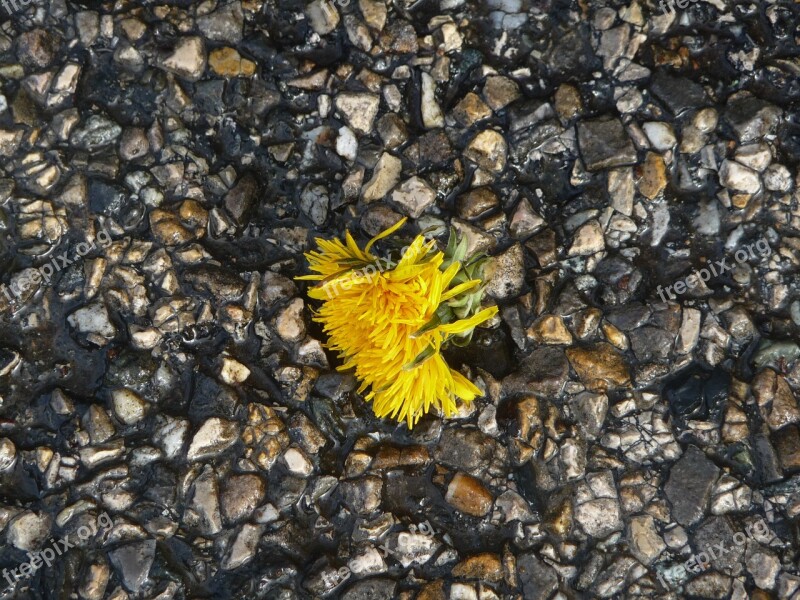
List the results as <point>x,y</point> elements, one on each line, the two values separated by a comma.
<point>389,322</point>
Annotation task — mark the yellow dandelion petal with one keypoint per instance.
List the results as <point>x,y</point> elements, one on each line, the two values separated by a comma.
<point>376,323</point>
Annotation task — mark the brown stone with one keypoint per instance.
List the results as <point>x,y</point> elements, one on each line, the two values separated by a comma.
<point>599,366</point>
<point>389,457</point>
<point>654,176</point>
<point>432,591</point>
<point>241,495</point>
<point>568,101</point>
<point>168,230</point>
<point>787,445</point>
<point>776,402</point>
<point>193,215</point>
<point>476,202</point>
<point>549,329</point>
<point>227,62</point>
<point>486,567</point>
<point>470,110</point>
<point>469,495</point>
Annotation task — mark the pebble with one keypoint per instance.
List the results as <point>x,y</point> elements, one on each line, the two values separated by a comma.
<point>188,59</point>
<point>384,177</point>
<point>213,437</point>
<point>414,196</point>
<point>468,495</point>
<point>488,150</point>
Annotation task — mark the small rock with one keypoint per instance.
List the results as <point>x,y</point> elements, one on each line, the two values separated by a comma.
<point>599,366</point>
<point>8,454</point>
<point>588,240</point>
<point>654,176</point>
<point>413,196</point>
<point>213,437</point>
<point>133,562</point>
<point>128,406</point>
<point>323,16</point>
<point>29,531</point>
<point>469,495</point>
<point>645,543</point>
<point>384,177</point>
<point>133,144</point>
<point>374,12</point>
<point>359,110</point>
<point>689,485</point>
<point>233,371</point>
<point>289,323</point>
<point>505,273</point>
<point>432,116</point>
<point>224,24</point>
<point>775,400</point>
<point>470,110</point>
<point>241,495</point>
<point>227,62</point>
<point>500,91</point>
<point>739,178</point>
<point>568,101</point>
<point>488,150</point>
<point>476,202</point>
<point>661,135</point>
<point>244,546</point>
<point>188,60</point>
<point>604,144</point>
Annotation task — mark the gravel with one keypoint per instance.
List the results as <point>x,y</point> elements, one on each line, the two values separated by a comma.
<point>172,162</point>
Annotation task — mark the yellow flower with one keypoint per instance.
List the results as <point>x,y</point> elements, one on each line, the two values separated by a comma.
<point>390,324</point>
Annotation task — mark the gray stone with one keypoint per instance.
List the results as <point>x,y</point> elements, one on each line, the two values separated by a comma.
<point>752,118</point>
<point>538,579</point>
<point>689,486</point>
<point>677,93</point>
<point>132,562</point>
<point>604,143</point>
<point>224,24</point>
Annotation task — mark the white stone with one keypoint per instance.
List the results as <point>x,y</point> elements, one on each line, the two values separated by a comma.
<point>432,116</point>
<point>93,318</point>
<point>244,546</point>
<point>414,196</point>
<point>128,406</point>
<point>737,177</point>
<point>213,437</point>
<point>297,462</point>
<point>233,371</point>
<point>754,156</point>
<point>661,135</point>
<point>171,436</point>
<point>346,144</point>
<point>645,543</point>
<point>323,16</point>
<point>600,517</point>
<point>8,454</point>
<point>777,178</point>
<point>359,110</point>
<point>289,322</point>
<point>28,531</point>
<point>188,60</point>
<point>384,177</point>
<point>588,239</point>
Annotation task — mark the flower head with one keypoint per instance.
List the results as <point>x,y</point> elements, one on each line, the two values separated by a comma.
<point>389,324</point>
